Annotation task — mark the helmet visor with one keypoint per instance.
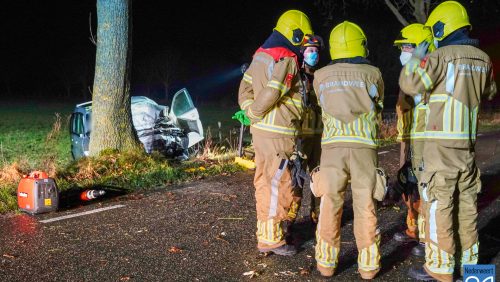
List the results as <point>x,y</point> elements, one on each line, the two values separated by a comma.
<point>407,47</point>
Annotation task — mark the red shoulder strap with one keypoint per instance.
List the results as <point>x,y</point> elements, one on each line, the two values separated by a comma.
<point>278,52</point>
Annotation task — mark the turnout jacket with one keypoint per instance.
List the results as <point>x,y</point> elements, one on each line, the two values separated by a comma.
<point>412,114</point>
<point>456,76</point>
<point>311,125</point>
<point>271,93</point>
<point>351,97</point>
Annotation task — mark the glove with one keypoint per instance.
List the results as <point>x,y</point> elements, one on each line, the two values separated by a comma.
<point>241,117</point>
<point>417,56</point>
<point>421,50</point>
<point>299,175</point>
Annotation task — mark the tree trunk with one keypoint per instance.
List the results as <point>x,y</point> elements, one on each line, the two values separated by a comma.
<point>419,11</point>
<point>111,115</point>
<point>396,13</point>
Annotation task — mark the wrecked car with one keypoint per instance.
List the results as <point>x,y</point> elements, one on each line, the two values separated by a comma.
<point>174,132</point>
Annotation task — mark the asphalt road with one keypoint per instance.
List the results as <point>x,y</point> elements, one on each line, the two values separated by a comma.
<point>205,231</point>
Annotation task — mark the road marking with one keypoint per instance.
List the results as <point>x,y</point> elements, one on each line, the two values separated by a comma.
<point>80,214</point>
<point>383,152</point>
<point>480,134</point>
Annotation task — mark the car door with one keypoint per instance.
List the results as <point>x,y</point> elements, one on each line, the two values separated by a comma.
<point>185,115</point>
<point>77,132</point>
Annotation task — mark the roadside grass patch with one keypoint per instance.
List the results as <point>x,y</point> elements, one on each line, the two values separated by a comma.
<point>127,171</point>
<point>489,121</point>
<point>36,137</point>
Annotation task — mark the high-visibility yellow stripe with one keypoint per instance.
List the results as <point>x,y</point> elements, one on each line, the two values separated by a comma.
<point>277,85</point>
<point>275,128</point>
<point>247,78</point>
<point>246,104</point>
<point>471,255</point>
<point>252,115</point>
<point>473,120</point>
<point>417,119</point>
<point>425,78</point>
<point>292,101</point>
<point>326,255</point>
<point>439,261</point>
<point>369,258</point>
<point>459,122</point>
<point>269,232</point>
<point>447,115</point>
<point>410,67</point>
<point>457,119</point>
<point>361,130</point>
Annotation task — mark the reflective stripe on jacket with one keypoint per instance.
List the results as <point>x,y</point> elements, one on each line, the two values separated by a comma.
<point>411,119</point>
<point>351,97</point>
<point>270,93</point>
<point>456,77</point>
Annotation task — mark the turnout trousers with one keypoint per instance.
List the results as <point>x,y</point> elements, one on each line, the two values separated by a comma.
<point>450,184</point>
<point>415,219</point>
<point>338,166</point>
<point>311,147</point>
<point>273,188</point>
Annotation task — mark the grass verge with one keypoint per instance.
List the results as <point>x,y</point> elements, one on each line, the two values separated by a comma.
<point>128,171</point>
<point>35,137</point>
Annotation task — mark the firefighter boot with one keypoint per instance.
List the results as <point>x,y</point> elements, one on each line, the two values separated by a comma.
<point>325,271</point>
<point>284,250</point>
<point>419,273</point>
<point>404,237</point>
<point>418,250</point>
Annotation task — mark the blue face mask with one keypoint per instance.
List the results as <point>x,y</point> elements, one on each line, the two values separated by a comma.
<point>311,58</point>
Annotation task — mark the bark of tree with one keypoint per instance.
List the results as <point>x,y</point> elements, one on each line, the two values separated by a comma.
<point>112,126</point>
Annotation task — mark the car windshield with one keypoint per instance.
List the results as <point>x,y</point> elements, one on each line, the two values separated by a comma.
<point>182,103</point>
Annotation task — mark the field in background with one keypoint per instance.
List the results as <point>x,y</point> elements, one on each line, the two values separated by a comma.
<point>24,129</point>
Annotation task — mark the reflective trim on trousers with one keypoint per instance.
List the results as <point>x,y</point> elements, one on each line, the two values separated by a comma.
<point>369,258</point>
<point>437,260</point>
<point>326,255</point>
<point>432,222</point>
<point>421,227</point>
<point>269,232</point>
<point>471,255</point>
<point>273,205</point>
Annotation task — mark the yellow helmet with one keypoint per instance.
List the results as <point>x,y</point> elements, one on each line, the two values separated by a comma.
<point>415,34</point>
<point>347,40</point>
<point>446,18</point>
<point>294,25</point>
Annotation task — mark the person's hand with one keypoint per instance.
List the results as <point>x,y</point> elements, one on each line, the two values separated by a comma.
<point>421,50</point>
<point>241,117</point>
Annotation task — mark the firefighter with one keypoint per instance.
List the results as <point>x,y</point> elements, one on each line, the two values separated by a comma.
<point>312,127</point>
<point>457,75</point>
<point>350,92</point>
<point>270,93</point>
<point>411,112</point>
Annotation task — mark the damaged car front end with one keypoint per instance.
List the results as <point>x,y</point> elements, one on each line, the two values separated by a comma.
<point>173,132</point>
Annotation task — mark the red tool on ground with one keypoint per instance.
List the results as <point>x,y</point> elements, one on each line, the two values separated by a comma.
<point>89,195</point>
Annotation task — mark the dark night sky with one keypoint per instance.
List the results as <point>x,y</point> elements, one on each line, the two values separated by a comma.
<point>45,42</point>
